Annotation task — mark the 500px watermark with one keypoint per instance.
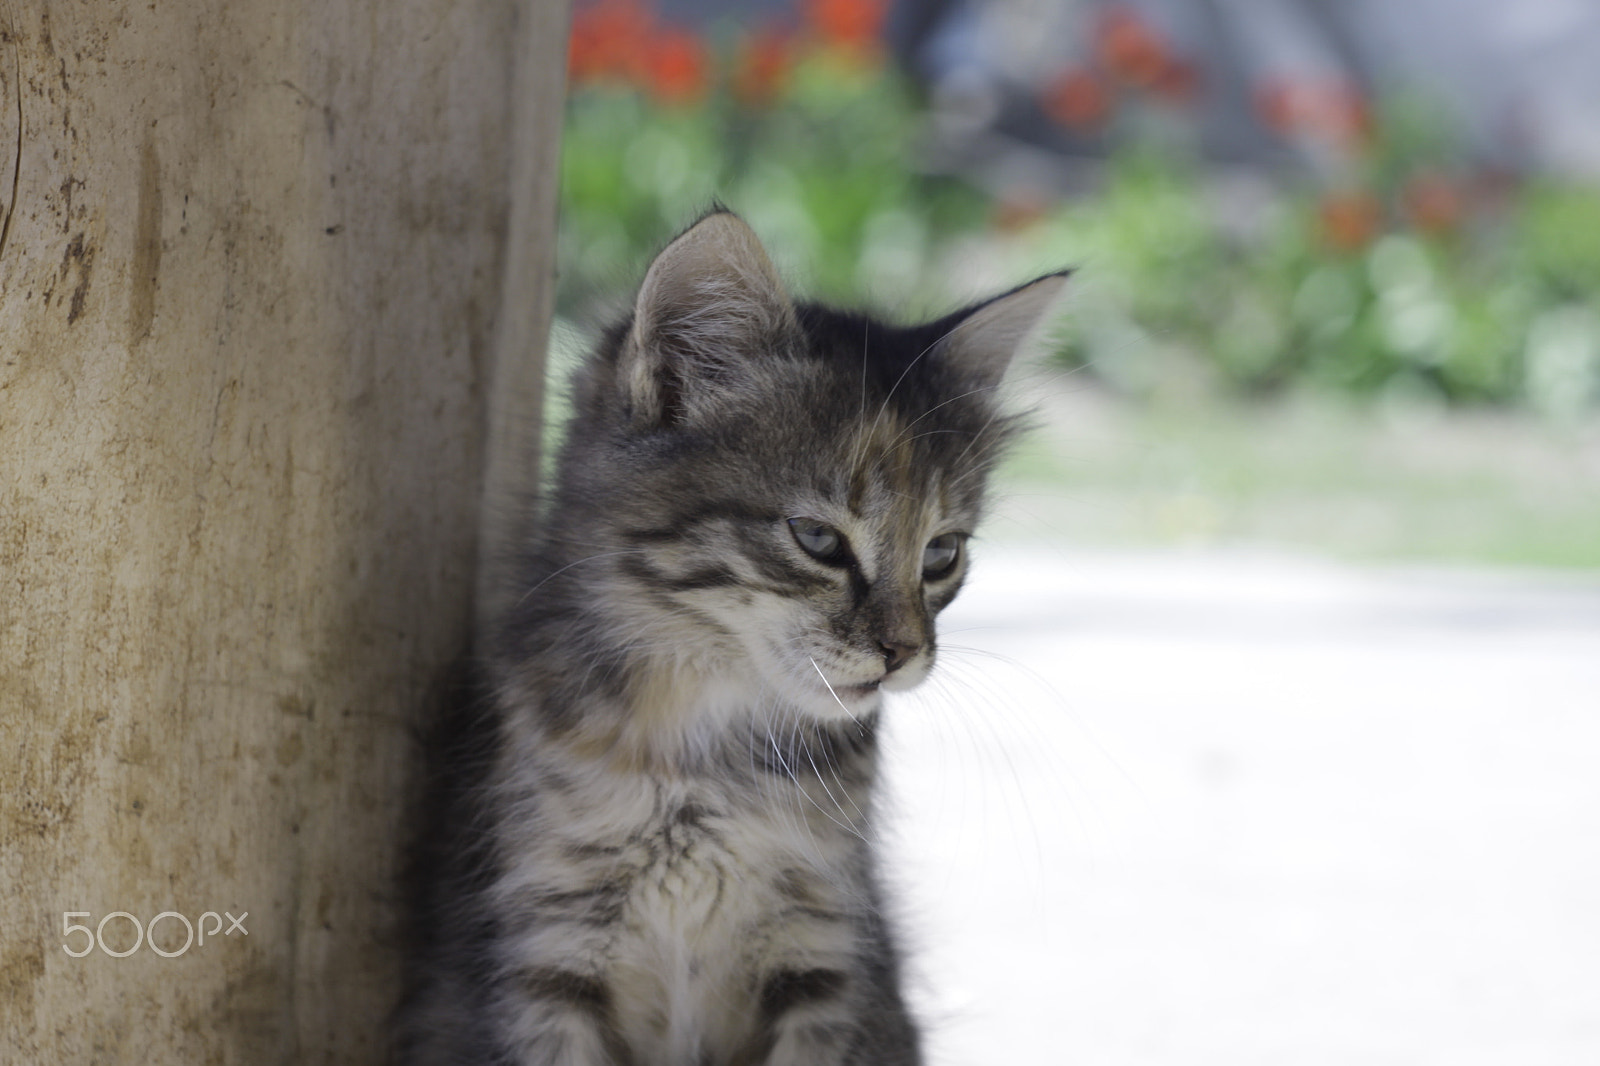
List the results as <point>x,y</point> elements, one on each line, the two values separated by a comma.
<point>96,938</point>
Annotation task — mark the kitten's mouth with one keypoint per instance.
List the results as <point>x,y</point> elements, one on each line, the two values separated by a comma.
<point>860,691</point>
<point>853,693</point>
<point>859,695</point>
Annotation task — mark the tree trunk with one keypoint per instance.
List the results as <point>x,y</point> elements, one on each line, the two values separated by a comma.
<point>264,271</point>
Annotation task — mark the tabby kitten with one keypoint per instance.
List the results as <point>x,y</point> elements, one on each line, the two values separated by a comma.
<point>759,510</point>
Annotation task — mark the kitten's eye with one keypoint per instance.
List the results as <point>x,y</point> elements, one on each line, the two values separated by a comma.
<point>822,542</point>
<point>939,557</point>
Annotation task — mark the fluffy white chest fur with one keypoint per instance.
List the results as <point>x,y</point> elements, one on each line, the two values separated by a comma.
<point>697,889</point>
<point>706,917</point>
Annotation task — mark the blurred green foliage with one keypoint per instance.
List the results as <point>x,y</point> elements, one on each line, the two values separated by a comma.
<point>822,173</point>
<point>1499,308</point>
<point>1410,278</point>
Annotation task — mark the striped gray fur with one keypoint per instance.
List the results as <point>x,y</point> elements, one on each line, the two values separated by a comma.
<point>667,858</point>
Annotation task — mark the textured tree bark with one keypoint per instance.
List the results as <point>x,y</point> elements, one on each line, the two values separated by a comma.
<point>262,268</point>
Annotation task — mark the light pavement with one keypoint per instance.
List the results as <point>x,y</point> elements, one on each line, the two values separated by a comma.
<point>1211,809</point>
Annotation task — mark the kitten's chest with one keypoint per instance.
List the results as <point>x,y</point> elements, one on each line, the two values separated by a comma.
<point>693,872</point>
<point>702,873</point>
<point>711,895</point>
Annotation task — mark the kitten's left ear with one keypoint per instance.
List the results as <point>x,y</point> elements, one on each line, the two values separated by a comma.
<point>710,302</point>
<point>984,343</point>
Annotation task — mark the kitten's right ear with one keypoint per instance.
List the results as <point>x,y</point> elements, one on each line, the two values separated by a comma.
<point>709,300</point>
<point>992,334</point>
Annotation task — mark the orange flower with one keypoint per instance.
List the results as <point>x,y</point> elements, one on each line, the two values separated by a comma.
<point>763,64</point>
<point>1128,48</point>
<point>1076,99</point>
<point>609,41</point>
<point>1275,106</point>
<point>1432,202</point>
<point>1334,110</point>
<point>1178,82</point>
<point>852,24</point>
<point>677,67</point>
<point>1348,221</point>
<point>1019,210</point>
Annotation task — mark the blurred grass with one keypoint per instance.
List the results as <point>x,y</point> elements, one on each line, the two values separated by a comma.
<point>1370,483</point>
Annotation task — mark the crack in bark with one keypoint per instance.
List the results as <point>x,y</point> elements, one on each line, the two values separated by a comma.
<point>16,162</point>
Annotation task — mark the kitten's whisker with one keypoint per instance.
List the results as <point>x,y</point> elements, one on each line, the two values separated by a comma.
<point>995,416</point>
<point>799,785</point>
<point>1004,750</point>
<point>845,825</point>
<point>576,562</point>
<point>791,811</point>
<point>859,441</point>
<point>980,390</point>
<point>1058,699</point>
<point>884,406</point>
<point>831,691</point>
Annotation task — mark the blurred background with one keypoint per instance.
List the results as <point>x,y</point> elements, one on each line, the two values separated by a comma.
<point>1267,729</point>
<point>1366,233</point>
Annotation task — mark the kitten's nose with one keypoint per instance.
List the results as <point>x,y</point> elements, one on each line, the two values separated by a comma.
<point>896,655</point>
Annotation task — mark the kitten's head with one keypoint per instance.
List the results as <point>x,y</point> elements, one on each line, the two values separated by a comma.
<point>788,489</point>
